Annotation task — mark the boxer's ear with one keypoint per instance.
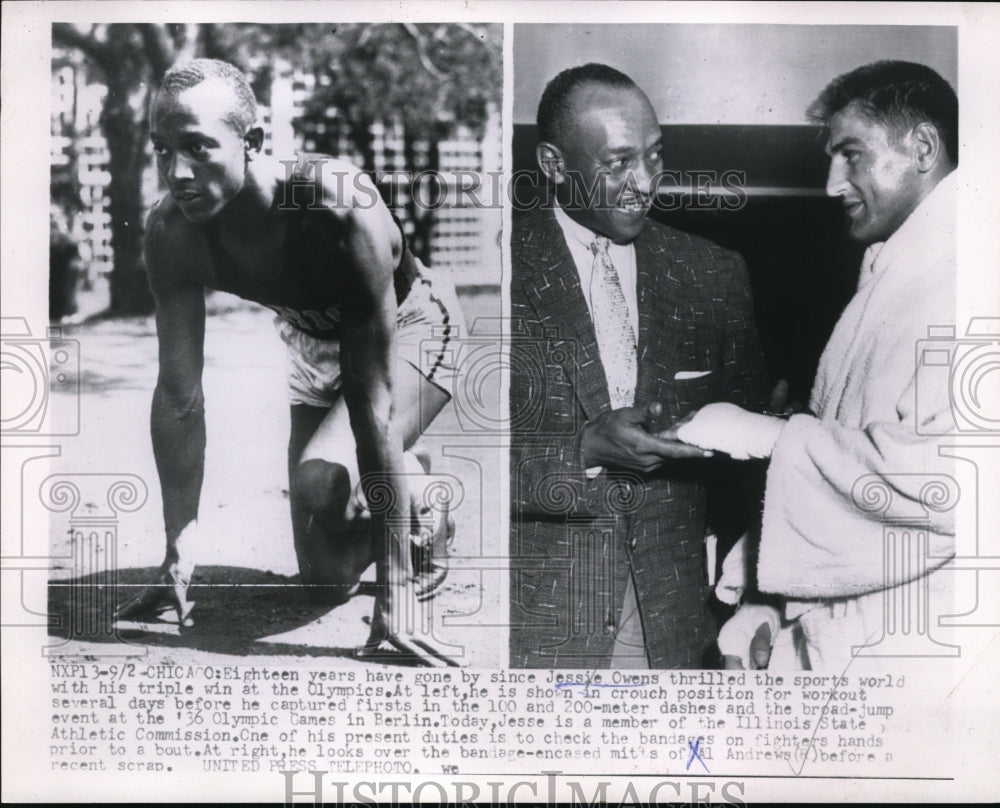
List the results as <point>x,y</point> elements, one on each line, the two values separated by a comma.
<point>254,140</point>
<point>550,160</point>
<point>927,146</point>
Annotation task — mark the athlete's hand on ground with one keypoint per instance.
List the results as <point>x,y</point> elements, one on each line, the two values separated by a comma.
<point>399,618</point>
<point>622,439</point>
<point>167,593</point>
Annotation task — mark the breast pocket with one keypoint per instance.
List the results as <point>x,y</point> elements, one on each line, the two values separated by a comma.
<point>690,390</point>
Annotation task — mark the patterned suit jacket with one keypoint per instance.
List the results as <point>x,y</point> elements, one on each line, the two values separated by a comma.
<point>573,539</point>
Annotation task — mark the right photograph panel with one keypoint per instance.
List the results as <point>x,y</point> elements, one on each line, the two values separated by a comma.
<point>727,243</point>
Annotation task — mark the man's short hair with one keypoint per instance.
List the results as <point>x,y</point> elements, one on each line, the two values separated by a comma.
<point>185,75</point>
<point>898,95</point>
<point>555,102</point>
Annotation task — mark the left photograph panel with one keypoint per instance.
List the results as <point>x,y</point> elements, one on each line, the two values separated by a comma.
<point>274,358</point>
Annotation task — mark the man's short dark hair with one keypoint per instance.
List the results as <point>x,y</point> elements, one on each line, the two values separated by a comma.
<point>555,102</point>
<point>185,75</point>
<point>898,95</point>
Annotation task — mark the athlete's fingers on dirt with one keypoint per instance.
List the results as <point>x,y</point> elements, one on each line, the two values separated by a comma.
<point>418,650</point>
<point>412,648</point>
<point>441,655</point>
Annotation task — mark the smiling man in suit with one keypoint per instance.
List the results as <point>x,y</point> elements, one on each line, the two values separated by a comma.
<point>621,326</point>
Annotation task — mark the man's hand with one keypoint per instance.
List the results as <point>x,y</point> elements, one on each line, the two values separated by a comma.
<point>169,591</point>
<point>778,403</point>
<point>399,618</point>
<point>621,439</point>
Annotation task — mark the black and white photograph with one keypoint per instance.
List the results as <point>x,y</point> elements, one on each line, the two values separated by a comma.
<point>499,402</point>
<point>691,252</point>
<point>191,207</point>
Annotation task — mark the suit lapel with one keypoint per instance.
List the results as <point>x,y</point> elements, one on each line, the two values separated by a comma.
<point>553,288</point>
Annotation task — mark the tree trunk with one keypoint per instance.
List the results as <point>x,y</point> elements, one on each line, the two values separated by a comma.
<point>132,58</point>
<point>126,135</point>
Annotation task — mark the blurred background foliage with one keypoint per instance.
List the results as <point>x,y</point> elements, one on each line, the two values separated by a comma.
<point>424,83</point>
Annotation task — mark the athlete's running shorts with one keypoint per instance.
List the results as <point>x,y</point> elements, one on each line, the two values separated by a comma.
<point>428,327</point>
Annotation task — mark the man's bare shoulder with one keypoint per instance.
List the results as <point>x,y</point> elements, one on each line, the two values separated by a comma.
<point>321,181</point>
<point>174,247</point>
<point>342,202</point>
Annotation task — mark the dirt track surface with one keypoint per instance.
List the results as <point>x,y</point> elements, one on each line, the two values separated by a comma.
<point>248,600</point>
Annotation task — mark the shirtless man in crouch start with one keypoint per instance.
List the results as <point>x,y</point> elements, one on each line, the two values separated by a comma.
<point>314,242</point>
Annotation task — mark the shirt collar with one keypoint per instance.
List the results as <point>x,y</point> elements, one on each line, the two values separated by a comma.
<point>573,229</point>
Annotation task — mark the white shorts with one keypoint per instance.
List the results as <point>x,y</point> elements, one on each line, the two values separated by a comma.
<point>428,327</point>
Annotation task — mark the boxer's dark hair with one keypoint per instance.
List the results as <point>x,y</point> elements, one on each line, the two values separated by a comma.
<point>185,75</point>
<point>555,102</point>
<point>897,95</point>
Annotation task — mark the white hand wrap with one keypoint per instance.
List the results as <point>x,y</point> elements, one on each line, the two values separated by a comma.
<point>733,582</point>
<point>739,630</point>
<point>727,428</point>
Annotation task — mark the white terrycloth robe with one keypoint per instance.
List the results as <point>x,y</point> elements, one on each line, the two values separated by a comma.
<point>818,547</point>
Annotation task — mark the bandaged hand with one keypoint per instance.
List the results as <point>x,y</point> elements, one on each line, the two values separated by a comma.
<point>748,636</point>
<point>727,428</point>
<point>732,583</point>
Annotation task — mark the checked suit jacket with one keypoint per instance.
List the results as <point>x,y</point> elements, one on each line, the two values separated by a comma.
<point>574,539</point>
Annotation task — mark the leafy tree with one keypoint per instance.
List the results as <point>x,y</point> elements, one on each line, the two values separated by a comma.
<point>430,78</point>
<point>129,59</point>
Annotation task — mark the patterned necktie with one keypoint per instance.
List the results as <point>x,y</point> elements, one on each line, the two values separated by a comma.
<point>615,337</point>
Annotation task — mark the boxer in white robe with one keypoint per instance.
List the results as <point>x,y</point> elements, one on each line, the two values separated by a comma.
<point>865,461</point>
